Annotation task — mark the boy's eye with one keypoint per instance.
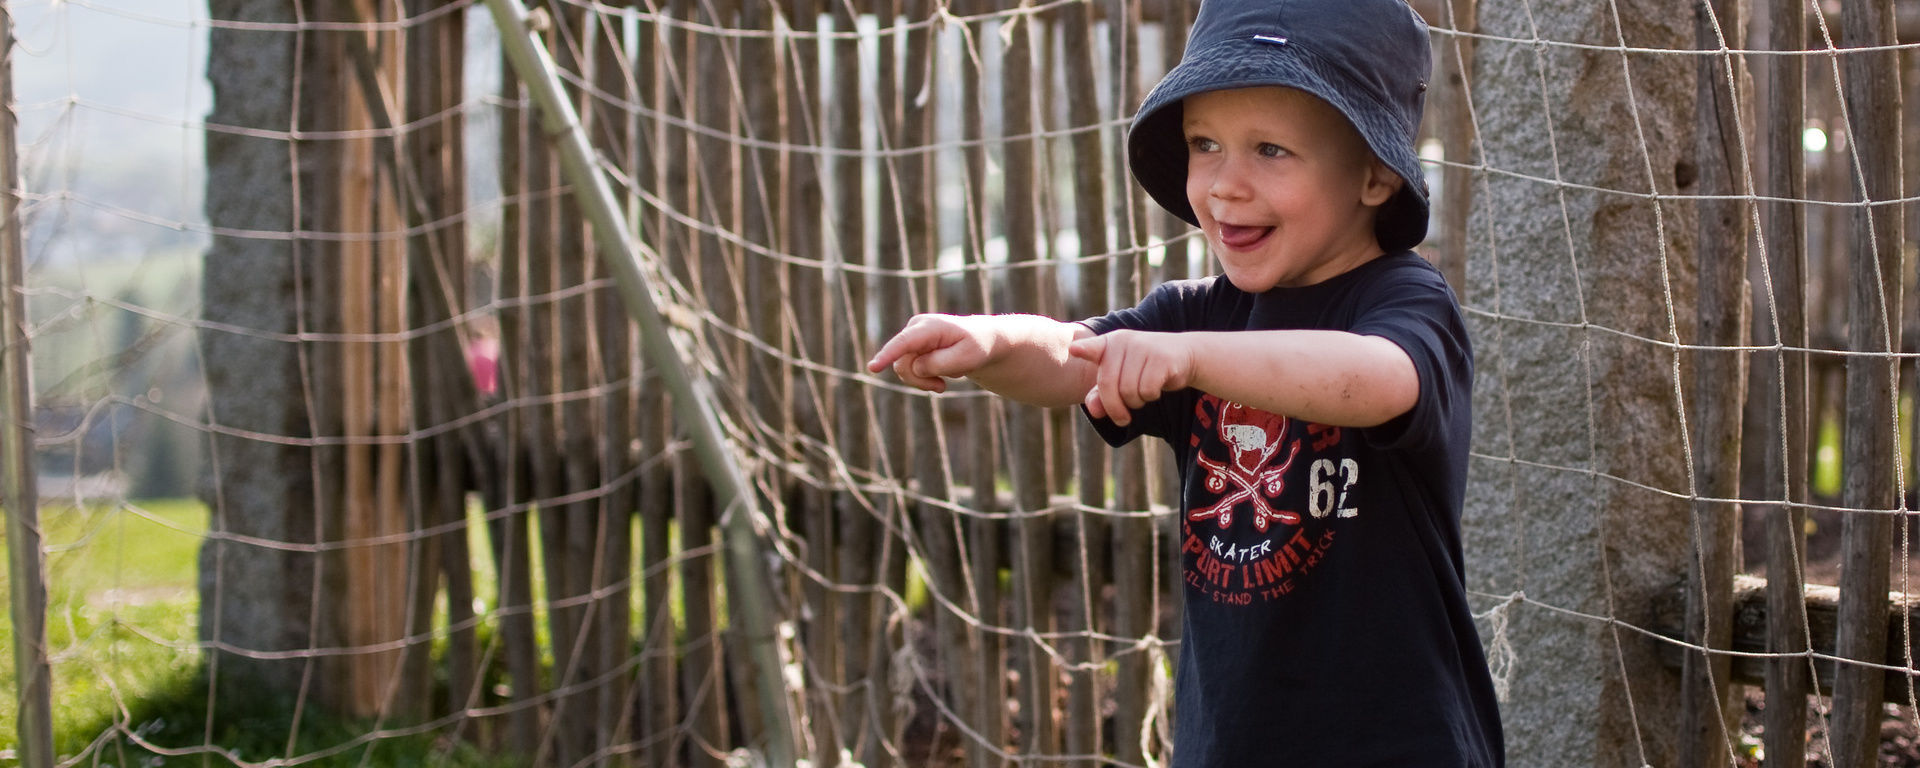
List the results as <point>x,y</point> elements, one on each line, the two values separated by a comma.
<point>1271,150</point>
<point>1202,144</point>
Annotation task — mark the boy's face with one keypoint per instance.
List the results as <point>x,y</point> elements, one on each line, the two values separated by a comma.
<point>1283,186</point>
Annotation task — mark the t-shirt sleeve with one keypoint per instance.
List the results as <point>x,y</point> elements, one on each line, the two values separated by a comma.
<point>1421,317</point>
<point>1168,308</point>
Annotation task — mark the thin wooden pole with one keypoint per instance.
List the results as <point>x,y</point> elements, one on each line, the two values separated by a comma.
<point>1135,540</point>
<point>1175,19</point>
<point>26,564</point>
<point>1873,122</point>
<point>890,237</point>
<point>720,276</point>
<point>512,551</point>
<point>463,653</point>
<point>365,604</point>
<point>886,429</point>
<point>382,585</point>
<point>1092,567</point>
<point>692,393</point>
<point>1455,125</point>
<point>1782,397</point>
<point>1164,483</point>
<point>1708,715</point>
<point>1028,425</point>
<point>429,184</point>
<point>846,291</point>
<point>661,165</point>
<point>699,265</point>
<point>540,433</point>
<point>937,529</point>
<point>921,454</point>
<point>983,536</point>
<point>574,526</point>
<point>770,390</point>
<point>613,417</point>
<point>814,412</point>
<point>1907,688</point>
<point>412,567</point>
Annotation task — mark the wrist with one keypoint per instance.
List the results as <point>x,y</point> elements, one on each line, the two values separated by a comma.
<point>1195,346</point>
<point>990,332</point>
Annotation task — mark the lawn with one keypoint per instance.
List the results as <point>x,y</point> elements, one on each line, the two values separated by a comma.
<point>121,611</point>
<point>122,614</point>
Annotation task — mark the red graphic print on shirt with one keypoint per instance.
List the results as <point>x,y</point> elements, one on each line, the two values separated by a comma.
<point>1245,537</point>
<point>1252,438</point>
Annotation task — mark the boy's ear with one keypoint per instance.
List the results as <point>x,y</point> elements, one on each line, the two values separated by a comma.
<point>1381,184</point>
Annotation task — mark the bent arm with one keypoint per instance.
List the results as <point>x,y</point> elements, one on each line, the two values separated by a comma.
<point>1329,377</point>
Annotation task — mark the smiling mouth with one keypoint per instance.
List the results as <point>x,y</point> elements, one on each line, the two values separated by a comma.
<point>1238,237</point>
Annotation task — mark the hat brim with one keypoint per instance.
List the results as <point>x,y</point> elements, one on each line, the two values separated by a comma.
<point>1157,148</point>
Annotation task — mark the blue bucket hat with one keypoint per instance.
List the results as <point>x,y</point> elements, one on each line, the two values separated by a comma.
<point>1370,59</point>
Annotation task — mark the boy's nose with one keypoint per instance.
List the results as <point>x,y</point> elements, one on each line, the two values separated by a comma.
<point>1230,180</point>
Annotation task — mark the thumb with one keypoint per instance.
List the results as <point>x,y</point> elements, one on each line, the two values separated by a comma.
<point>944,361</point>
<point>1089,349</point>
<point>1096,406</point>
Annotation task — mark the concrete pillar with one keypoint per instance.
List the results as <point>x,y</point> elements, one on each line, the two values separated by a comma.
<point>254,598</point>
<point>1574,411</point>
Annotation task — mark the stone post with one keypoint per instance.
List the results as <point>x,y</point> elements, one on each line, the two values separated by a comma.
<point>1578,438</point>
<point>253,598</point>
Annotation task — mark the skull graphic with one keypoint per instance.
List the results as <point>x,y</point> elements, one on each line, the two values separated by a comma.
<point>1253,438</point>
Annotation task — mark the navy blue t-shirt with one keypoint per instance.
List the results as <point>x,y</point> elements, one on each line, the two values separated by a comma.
<point>1326,614</point>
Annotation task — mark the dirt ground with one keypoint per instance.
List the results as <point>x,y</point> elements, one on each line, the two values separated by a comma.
<point>1900,727</point>
<point>1899,738</point>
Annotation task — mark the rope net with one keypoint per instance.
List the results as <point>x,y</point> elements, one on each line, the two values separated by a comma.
<point>348,452</point>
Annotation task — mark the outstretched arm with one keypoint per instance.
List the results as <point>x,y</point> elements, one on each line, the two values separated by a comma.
<point>1330,377</point>
<point>1022,357</point>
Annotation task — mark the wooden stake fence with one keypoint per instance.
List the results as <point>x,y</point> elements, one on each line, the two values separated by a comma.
<point>692,393</point>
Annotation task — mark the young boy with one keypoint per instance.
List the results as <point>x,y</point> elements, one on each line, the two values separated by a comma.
<point>1316,398</point>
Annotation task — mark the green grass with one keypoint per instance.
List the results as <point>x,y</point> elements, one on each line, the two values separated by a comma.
<point>139,552</point>
<point>256,730</point>
<point>122,615</point>
<point>121,611</point>
<point>122,626</point>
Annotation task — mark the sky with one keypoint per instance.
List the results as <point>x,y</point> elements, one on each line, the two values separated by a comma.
<point>110,94</point>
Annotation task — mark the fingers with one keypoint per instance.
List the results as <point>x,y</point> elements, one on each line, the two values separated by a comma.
<point>1095,406</point>
<point>910,369</point>
<point>902,353</point>
<point>896,348</point>
<point>1150,382</point>
<point>1133,369</point>
<point>922,353</point>
<point>1089,349</point>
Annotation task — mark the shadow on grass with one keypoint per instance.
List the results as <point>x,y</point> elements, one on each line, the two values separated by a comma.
<point>176,725</point>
